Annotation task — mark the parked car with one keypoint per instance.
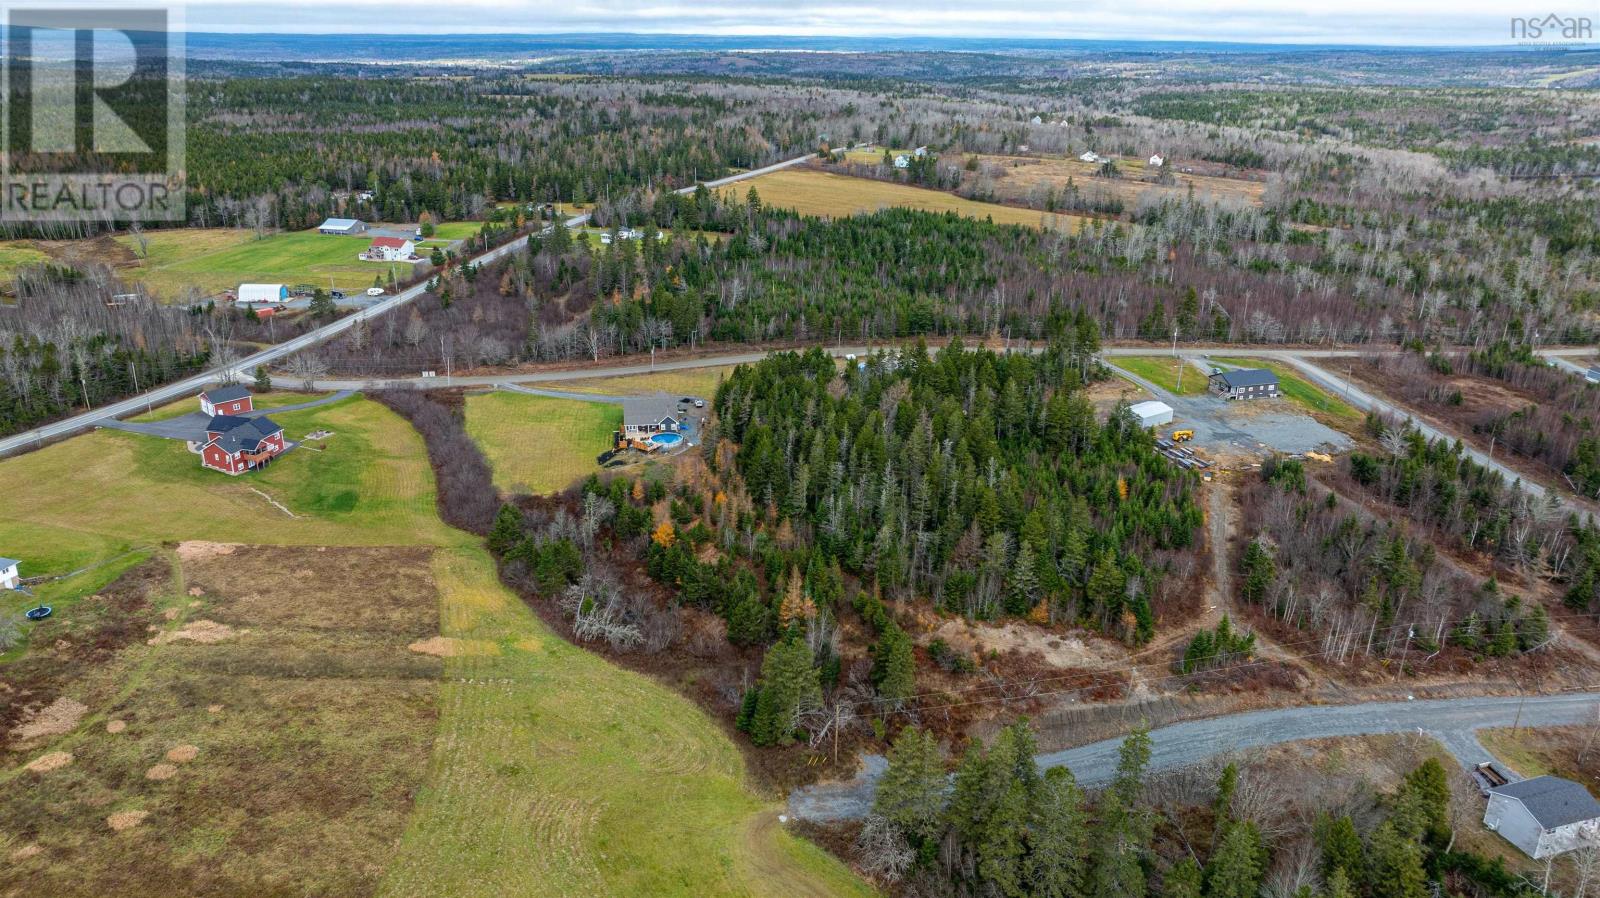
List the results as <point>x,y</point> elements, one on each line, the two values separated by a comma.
<point>374,291</point>
<point>699,403</point>
<point>337,294</point>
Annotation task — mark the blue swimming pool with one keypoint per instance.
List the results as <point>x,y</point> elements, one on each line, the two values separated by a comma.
<point>666,440</point>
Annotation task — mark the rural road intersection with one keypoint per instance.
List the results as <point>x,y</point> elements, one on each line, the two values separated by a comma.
<point>1452,722</point>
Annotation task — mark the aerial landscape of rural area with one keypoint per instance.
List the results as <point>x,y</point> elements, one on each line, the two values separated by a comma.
<point>998,451</point>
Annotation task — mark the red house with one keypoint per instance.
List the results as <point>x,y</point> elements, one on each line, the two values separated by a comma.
<point>235,445</point>
<point>231,400</point>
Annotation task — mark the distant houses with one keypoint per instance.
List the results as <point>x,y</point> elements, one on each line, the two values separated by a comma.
<point>1246,383</point>
<point>1091,156</point>
<point>9,577</point>
<point>1156,161</point>
<point>235,444</point>
<point>902,161</point>
<point>343,227</point>
<point>389,249</point>
<point>1544,816</point>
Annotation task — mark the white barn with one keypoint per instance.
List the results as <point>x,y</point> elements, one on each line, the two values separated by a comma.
<point>1544,816</point>
<point>343,226</point>
<point>249,293</point>
<point>9,578</point>
<point>1089,156</point>
<point>1151,413</point>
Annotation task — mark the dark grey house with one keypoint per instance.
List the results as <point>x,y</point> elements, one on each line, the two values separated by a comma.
<point>1544,816</point>
<point>1246,383</point>
<point>1593,374</point>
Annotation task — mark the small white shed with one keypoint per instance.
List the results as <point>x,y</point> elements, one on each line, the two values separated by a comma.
<point>1544,816</point>
<point>9,578</point>
<point>1151,413</point>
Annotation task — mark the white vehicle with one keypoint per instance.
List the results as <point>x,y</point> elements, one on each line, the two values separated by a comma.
<point>374,291</point>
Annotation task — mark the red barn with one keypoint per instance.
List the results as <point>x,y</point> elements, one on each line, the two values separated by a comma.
<point>235,445</point>
<point>232,400</point>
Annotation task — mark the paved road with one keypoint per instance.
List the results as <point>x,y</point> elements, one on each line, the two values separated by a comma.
<point>133,405</point>
<point>1451,721</point>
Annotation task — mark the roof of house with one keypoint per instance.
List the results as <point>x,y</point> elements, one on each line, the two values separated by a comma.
<point>1594,369</point>
<point>390,242</point>
<point>339,223</point>
<point>1150,407</point>
<point>1552,801</point>
<point>1248,377</point>
<point>7,562</point>
<point>649,409</point>
<point>226,394</point>
<point>245,435</point>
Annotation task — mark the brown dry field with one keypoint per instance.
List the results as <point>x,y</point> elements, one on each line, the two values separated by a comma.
<point>280,759</point>
<point>1015,177</point>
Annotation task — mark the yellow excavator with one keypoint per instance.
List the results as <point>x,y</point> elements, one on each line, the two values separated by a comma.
<point>1182,436</point>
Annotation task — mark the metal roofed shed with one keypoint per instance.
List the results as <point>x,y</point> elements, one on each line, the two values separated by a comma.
<point>1544,816</point>
<point>1151,413</point>
<point>269,293</point>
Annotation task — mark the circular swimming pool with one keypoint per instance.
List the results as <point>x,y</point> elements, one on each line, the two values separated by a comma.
<point>666,440</point>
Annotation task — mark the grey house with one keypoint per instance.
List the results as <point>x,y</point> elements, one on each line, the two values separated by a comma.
<point>1544,816</point>
<point>1246,383</point>
<point>644,415</point>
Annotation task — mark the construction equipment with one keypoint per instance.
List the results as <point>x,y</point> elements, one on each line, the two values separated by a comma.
<point>1182,436</point>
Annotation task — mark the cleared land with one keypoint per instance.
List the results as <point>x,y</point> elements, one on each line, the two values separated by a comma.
<point>698,382</point>
<point>1324,406</point>
<point>1020,177</point>
<point>1559,751</point>
<point>15,254</point>
<point>266,741</point>
<point>213,260</point>
<point>822,193</point>
<point>550,770</point>
<point>1163,372</point>
<point>260,401</point>
<point>537,444</point>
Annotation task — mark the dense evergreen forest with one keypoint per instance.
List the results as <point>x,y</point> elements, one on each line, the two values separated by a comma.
<point>1001,827</point>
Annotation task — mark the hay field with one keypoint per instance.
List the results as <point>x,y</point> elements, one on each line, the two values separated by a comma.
<point>219,259</point>
<point>537,444</point>
<point>557,773</point>
<point>1016,177</point>
<point>260,741</point>
<point>701,383</point>
<point>812,192</point>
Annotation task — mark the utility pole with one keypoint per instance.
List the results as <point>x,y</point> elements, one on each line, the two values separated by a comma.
<point>1175,358</point>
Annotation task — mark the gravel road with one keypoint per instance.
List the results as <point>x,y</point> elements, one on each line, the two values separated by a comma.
<point>1452,721</point>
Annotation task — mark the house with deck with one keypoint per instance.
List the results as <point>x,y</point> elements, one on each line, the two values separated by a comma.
<point>1544,816</point>
<point>389,249</point>
<point>1245,383</point>
<point>235,445</point>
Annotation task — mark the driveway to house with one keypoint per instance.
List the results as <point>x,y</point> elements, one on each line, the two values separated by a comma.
<point>32,439</point>
<point>1452,721</point>
<point>192,427</point>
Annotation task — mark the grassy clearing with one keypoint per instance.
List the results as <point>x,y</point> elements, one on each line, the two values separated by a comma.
<point>558,774</point>
<point>1163,372</point>
<point>108,491</point>
<point>15,254</point>
<point>221,259</point>
<point>1322,405</point>
<point>1568,751</point>
<point>310,728</point>
<point>537,444</point>
<point>822,193</point>
<point>698,382</point>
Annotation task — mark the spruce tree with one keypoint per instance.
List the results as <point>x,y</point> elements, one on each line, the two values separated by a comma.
<point>911,794</point>
<point>1183,880</point>
<point>789,685</point>
<point>1396,865</point>
<point>894,667</point>
<point>1341,847</point>
<point>507,530</point>
<point>1235,870</point>
<point>1058,838</point>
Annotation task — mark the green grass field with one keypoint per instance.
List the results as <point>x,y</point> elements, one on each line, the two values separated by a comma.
<point>15,254</point>
<point>1163,372</point>
<point>1324,406</point>
<point>219,260</point>
<point>538,444</point>
<point>259,401</point>
<point>700,382</point>
<point>539,767</point>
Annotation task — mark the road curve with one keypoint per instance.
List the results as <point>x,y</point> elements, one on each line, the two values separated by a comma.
<point>32,439</point>
<point>1452,721</point>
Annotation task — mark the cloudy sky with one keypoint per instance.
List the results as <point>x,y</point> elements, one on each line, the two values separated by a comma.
<point>1428,22</point>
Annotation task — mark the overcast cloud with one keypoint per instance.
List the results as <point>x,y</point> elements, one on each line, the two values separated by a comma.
<point>1429,22</point>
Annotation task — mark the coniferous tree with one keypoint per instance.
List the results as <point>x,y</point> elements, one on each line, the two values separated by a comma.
<point>1396,864</point>
<point>1235,870</point>
<point>911,794</point>
<point>1058,838</point>
<point>790,685</point>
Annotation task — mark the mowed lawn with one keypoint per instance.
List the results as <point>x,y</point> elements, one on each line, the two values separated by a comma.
<point>1324,406</point>
<point>701,383</point>
<point>556,773</point>
<point>217,259</point>
<point>537,444</point>
<point>812,192</point>
<point>1163,372</point>
<point>260,401</point>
